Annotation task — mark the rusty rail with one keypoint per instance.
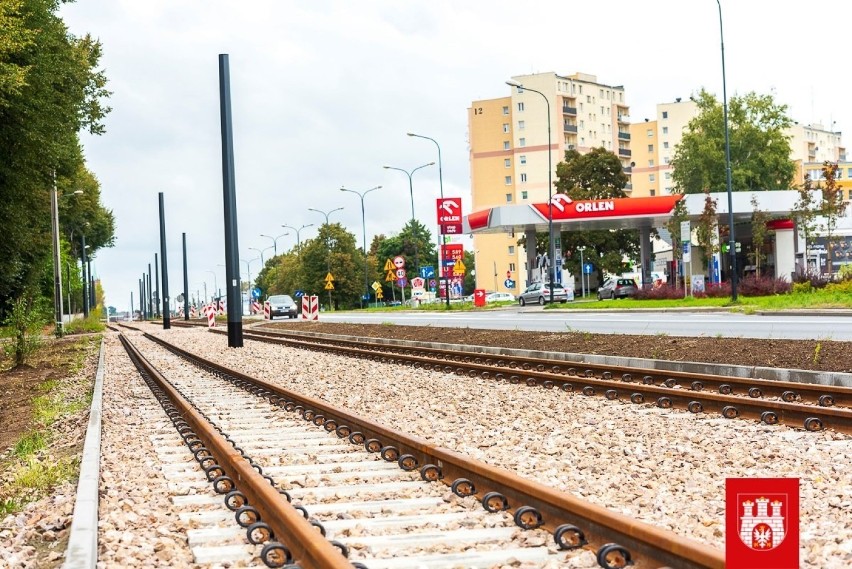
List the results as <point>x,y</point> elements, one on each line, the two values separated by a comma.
<point>533,504</point>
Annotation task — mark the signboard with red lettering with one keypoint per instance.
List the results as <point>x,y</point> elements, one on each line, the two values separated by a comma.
<point>450,215</point>
<point>565,208</point>
<point>450,253</point>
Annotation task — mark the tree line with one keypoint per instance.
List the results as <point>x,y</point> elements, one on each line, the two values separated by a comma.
<point>51,89</point>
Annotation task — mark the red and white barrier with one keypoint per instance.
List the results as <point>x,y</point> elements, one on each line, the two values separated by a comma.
<point>192,312</point>
<point>222,307</point>
<point>255,307</point>
<point>310,307</point>
<point>211,316</point>
<point>267,311</point>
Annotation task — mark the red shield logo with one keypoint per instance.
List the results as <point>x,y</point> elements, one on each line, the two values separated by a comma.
<point>762,523</point>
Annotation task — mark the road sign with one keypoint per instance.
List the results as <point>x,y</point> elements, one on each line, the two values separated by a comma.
<point>402,282</point>
<point>389,265</point>
<point>449,215</point>
<point>427,272</point>
<point>685,231</point>
<point>255,293</point>
<point>459,268</point>
<point>329,285</point>
<point>399,261</point>
<point>433,283</point>
<point>299,293</point>
<point>509,283</point>
<point>365,297</point>
<point>390,277</point>
<point>329,278</point>
<point>587,268</point>
<point>376,285</point>
<point>687,253</point>
<point>418,282</point>
<point>508,274</point>
<point>379,294</point>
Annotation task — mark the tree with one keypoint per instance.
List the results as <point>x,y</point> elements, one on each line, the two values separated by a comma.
<point>595,175</point>
<point>760,151</point>
<point>707,229</point>
<point>679,215</point>
<point>414,242</point>
<point>806,210</point>
<point>832,208</point>
<point>759,232</point>
<point>50,89</point>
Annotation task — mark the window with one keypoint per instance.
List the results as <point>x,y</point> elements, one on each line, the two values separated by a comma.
<point>668,175</point>
<point>665,144</point>
<point>523,158</point>
<point>666,159</point>
<point>508,180</point>
<point>650,148</point>
<point>524,195</point>
<point>522,142</point>
<point>505,127</point>
<point>668,190</point>
<point>602,110</point>
<point>507,163</point>
<point>508,198</point>
<point>505,110</point>
<point>652,192</point>
<point>523,177</point>
<point>601,90</point>
<point>650,133</point>
<point>650,162</point>
<point>665,130</point>
<point>652,177</point>
<point>512,267</point>
<point>665,114</point>
<point>505,145</point>
<point>511,249</point>
<point>849,172</point>
<point>521,125</point>
<point>520,106</point>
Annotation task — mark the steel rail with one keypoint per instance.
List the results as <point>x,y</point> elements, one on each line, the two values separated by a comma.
<point>553,510</point>
<point>788,391</point>
<point>810,417</point>
<point>310,548</point>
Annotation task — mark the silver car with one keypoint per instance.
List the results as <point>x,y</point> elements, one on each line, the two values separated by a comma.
<point>282,305</point>
<point>540,293</point>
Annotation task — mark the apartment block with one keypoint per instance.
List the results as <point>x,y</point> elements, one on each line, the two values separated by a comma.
<point>654,143</point>
<point>509,151</point>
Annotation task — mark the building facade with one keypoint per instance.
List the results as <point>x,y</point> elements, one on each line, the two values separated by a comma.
<point>509,152</point>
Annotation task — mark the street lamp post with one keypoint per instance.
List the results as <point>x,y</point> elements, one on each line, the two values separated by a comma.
<point>274,241</point>
<point>298,238</point>
<point>57,269</point>
<point>441,187</point>
<point>582,248</point>
<point>411,193</point>
<point>732,242</point>
<point>327,247</point>
<point>215,285</point>
<point>364,229</point>
<point>262,262</point>
<point>551,248</point>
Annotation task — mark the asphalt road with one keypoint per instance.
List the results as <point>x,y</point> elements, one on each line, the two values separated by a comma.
<point>813,326</point>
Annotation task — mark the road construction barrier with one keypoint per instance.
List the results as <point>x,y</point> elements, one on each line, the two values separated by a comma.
<point>310,307</point>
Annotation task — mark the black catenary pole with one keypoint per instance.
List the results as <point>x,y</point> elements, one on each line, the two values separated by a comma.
<point>167,317</point>
<point>150,294</point>
<point>157,278</point>
<point>185,283</point>
<point>141,307</point>
<point>232,249</point>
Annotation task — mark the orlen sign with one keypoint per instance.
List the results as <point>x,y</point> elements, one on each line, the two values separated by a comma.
<point>564,207</point>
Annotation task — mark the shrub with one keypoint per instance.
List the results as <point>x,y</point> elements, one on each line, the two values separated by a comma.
<point>763,286</point>
<point>716,290</point>
<point>841,287</point>
<point>845,272</point>
<point>803,288</point>
<point>817,280</point>
<point>25,319</point>
<point>659,293</point>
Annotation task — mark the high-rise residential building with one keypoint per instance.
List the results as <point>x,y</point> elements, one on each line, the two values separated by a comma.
<point>508,139</point>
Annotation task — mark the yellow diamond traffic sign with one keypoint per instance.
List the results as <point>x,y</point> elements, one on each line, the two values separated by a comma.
<point>329,278</point>
<point>376,285</point>
<point>329,285</point>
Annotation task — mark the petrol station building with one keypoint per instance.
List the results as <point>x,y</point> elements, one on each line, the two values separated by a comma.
<point>642,214</point>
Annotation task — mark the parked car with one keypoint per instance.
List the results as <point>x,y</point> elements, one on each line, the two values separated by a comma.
<point>540,293</point>
<point>282,305</point>
<point>499,297</point>
<point>617,288</point>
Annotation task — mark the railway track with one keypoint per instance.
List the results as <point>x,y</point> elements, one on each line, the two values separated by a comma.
<point>308,480</point>
<point>799,405</point>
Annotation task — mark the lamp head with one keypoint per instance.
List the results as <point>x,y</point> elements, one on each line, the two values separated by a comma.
<point>78,192</point>
<point>513,83</point>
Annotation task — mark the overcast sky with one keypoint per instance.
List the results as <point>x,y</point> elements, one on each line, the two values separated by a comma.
<point>324,91</point>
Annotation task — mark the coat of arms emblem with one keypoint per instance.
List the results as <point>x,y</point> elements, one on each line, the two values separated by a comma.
<point>762,525</point>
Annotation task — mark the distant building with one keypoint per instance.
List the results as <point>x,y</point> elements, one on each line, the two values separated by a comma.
<point>509,153</point>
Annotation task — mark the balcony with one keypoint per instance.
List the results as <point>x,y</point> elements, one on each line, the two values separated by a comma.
<point>628,169</point>
<point>570,127</point>
<point>624,152</point>
<point>628,187</point>
<point>566,110</point>
<point>623,135</point>
<point>624,118</point>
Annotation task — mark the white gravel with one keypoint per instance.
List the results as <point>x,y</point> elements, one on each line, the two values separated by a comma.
<point>667,468</point>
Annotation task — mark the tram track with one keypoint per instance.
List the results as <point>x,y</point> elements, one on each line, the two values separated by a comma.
<point>798,405</point>
<point>569,521</point>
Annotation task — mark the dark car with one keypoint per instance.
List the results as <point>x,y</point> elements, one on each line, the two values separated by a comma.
<point>617,288</point>
<point>282,305</point>
<point>539,293</point>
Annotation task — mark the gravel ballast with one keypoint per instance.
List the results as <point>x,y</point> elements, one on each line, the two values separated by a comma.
<point>667,468</point>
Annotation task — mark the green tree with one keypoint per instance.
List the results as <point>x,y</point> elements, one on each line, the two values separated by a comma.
<point>595,175</point>
<point>333,250</point>
<point>759,233</point>
<point>50,89</point>
<point>414,242</point>
<point>760,150</point>
<point>832,208</point>
<point>806,211</point>
<point>679,215</point>
<point>706,231</point>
